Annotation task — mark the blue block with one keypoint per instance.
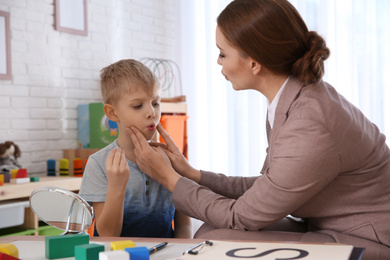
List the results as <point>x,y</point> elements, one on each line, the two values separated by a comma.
<point>63,246</point>
<point>138,253</point>
<point>88,251</point>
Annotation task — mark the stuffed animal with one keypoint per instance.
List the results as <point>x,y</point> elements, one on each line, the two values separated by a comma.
<point>9,153</point>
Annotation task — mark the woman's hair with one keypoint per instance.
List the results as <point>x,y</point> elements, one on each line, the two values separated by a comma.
<point>274,34</point>
<point>125,76</point>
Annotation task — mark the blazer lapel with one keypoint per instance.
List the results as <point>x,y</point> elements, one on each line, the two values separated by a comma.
<point>290,93</point>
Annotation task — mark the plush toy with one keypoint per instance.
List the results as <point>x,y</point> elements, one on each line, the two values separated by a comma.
<point>9,153</point>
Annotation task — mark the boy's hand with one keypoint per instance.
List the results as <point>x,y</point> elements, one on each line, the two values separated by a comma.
<point>117,169</point>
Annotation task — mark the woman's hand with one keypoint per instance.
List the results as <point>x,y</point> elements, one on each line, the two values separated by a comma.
<point>179,162</point>
<point>153,161</point>
<point>117,170</point>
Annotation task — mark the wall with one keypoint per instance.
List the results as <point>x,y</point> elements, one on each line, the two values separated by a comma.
<point>53,72</point>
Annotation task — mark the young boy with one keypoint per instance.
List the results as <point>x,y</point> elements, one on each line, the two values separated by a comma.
<point>126,201</point>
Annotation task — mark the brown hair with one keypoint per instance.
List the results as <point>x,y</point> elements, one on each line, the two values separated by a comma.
<point>124,76</point>
<point>274,34</point>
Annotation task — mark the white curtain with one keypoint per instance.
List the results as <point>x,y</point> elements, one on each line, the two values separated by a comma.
<point>226,128</point>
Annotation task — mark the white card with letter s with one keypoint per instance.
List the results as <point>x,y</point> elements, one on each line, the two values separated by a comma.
<point>271,251</point>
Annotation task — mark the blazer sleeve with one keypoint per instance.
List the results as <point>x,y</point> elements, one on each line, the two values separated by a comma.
<point>228,186</point>
<point>304,159</point>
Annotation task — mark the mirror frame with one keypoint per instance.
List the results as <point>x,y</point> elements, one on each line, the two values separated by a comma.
<point>74,196</point>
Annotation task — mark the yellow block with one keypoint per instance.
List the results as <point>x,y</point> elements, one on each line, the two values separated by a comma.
<point>14,172</point>
<point>9,249</point>
<point>1,179</point>
<point>121,245</point>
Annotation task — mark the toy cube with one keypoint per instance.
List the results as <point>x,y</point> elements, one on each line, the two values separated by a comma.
<point>138,253</point>
<point>88,251</point>
<point>22,173</point>
<point>9,249</point>
<point>114,255</point>
<point>63,246</point>
<point>7,257</point>
<point>121,245</point>
<point>1,179</point>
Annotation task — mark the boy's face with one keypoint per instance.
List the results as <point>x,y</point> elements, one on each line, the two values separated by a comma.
<point>139,108</point>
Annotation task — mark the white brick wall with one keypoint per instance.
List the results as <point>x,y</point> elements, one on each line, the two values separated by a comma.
<point>53,72</point>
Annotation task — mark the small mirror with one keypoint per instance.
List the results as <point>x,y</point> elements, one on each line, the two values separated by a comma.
<point>62,209</point>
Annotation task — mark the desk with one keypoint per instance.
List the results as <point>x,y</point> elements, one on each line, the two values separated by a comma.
<point>174,249</point>
<point>9,192</point>
<point>22,191</point>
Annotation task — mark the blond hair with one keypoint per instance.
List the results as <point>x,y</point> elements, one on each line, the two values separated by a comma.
<point>125,76</point>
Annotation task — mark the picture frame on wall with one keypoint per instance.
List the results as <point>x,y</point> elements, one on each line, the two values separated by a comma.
<point>5,46</point>
<point>71,16</point>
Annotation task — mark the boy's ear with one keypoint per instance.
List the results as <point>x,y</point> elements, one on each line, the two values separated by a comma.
<point>109,110</point>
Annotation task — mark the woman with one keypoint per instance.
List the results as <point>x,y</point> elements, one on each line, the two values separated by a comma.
<point>326,163</point>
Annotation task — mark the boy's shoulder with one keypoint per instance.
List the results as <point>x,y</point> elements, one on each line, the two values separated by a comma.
<point>105,151</point>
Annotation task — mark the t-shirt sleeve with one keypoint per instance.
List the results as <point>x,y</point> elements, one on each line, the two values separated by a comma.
<point>94,184</point>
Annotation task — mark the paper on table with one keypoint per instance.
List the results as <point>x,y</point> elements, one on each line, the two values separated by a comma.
<point>271,251</point>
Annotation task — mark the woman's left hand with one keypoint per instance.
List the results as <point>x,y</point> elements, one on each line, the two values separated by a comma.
<point>153,161</point>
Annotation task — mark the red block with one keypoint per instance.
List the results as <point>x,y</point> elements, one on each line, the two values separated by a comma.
<point>7,257</point>
<point>22,173</point>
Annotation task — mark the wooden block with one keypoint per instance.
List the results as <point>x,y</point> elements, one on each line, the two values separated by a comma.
<point>13,173</point>
<point>138,253</point>
<point>9,249</point>
<point>64,246</point>
<point>7,257</point>
<point>88,251</point>
<point>114,255</point>
<point>22,173</point>
<point>120,245</point>
<point>1,179</point>
<point>64,167</point>
<point>19,180</point>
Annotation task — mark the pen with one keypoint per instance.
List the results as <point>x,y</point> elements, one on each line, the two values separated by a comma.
<point>157,248</point>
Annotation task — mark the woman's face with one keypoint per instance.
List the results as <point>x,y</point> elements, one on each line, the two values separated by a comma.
<point>235,67</point>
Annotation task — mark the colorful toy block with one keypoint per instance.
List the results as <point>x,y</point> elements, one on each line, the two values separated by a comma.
<point>114,255</point>
<point>64,167</point>
<point>22,173</point>
<point>138,253</point>
<point>13,173</point>
<point>121,245</point>
<point>88,251</point>
<point>1,179</point>
<point>34,179</point>
<point>63,246</point>
<point>20,180</point>
<point>77,167</point>
<point>7,257</point>
<point>9,249</point>
<point>51,167</point>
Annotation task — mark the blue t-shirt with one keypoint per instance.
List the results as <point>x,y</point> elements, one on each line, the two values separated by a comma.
<point>148,206</point>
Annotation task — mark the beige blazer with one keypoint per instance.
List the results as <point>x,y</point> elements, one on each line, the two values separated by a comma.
<point>326,163</point>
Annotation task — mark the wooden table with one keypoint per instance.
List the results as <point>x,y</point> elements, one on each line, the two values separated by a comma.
<point>21,192</point>
<point>33,247</point>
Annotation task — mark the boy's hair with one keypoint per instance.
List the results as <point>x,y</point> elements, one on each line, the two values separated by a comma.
<point>124,76</point>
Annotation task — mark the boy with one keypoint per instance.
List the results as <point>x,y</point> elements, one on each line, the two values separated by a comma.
<point>126,201</point>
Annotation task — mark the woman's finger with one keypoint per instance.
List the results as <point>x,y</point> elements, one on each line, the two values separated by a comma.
<point>168,140</point>
<point>136,137</point>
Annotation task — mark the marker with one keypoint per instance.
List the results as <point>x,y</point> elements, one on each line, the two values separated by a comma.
<point>157,248</point>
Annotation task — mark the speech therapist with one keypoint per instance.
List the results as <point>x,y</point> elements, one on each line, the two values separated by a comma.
<point>327,165</point>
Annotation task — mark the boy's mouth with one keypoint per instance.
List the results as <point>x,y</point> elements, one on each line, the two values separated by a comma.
<point>151,127</point>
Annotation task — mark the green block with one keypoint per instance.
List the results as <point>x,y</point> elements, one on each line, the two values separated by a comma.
<point>63,246</point>
<point>88,251</point>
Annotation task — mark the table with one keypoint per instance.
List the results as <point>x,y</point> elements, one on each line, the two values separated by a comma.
<point>32,247</point>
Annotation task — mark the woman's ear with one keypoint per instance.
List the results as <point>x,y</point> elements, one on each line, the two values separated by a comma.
<point>109,110</point>
<point>255,67</point>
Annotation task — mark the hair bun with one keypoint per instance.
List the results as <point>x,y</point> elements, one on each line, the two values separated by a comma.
<point>310,67</point>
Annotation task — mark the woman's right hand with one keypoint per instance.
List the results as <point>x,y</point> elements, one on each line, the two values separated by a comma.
<point>178,161</point>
